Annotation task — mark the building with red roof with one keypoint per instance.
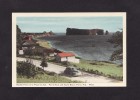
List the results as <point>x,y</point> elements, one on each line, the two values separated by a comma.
<point>66,56</point>
<point>29,37</point>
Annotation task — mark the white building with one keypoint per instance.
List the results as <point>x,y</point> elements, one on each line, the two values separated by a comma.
<point>66,56</point>
<point>21,52</point>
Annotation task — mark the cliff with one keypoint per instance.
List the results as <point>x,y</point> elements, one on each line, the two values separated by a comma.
<point>74,31</point>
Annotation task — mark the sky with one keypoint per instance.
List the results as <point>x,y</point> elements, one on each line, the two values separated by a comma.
<point>60,24</point>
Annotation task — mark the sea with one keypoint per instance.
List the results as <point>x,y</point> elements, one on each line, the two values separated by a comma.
<point>88,47</point>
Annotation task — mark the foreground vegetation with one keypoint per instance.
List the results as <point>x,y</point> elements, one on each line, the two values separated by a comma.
<point>44,78</point>
<point>29,73</point>
<point>117,40</point>
<point>101,68</point>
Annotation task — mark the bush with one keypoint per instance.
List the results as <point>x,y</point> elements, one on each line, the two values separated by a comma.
<point>117,40</point>
<point>44,63</point>
<point>36,52</point>
<point>101,73</point>
<point>115,77</point>
<point>74,65</point>
<point>40,71</point>
<point>93,63</point>
<point>91,71</point>
<point>66,63</point>
<point>26,69</point>
<point>96,72</point>
<point>51,73</point>
<point>83,69</point>
<point>78,57</point>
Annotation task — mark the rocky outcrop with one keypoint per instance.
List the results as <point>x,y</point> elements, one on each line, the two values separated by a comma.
<point>74,31</point>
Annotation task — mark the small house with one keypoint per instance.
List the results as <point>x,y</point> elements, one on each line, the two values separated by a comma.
<point>29,44</point>
<point>66,56</point>
<point>20,52</point>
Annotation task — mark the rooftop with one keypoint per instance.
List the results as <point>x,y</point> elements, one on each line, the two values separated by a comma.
<point>66,54</point>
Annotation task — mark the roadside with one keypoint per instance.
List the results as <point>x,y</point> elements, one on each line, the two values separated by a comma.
<point>85,77</point>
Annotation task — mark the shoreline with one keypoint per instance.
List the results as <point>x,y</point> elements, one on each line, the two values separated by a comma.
<point>62,50</point>
<point>89,63</point>
<point>52,47</point>
<point>43,43</point>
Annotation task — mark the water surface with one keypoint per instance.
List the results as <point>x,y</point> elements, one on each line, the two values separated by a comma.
<point>85,46</point>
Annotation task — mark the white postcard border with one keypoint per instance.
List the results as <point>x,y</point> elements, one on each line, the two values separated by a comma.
<point>65,14</point>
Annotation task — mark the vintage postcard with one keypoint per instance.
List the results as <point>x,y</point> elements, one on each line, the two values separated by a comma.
<point>69,49</point>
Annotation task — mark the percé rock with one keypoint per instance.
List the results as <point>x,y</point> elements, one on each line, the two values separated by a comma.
<point>74,31</point>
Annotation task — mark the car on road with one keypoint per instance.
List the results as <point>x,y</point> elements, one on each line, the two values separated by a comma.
<point>72,71</point>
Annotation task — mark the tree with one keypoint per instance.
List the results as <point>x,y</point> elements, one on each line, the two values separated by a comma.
<point>19,37</point>
<point>44,32</point>
<point>66,63</point>
<point>26,69</point>
<point>29,53</point>
<point>106,33</point>
<point>117,40</point>
<point>44,63</point>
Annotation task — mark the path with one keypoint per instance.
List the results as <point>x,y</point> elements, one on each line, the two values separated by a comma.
<point>85,77</point>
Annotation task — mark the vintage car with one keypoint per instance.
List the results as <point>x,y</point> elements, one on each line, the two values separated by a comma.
<point>72,71</point>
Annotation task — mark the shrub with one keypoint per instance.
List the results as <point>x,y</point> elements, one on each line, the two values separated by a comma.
<point>26,69</point>
<point>40,70</point>
<point>78,57</point>
<point>78,68</point>
<point>74,65</point>
<point>83,69</point>
<point>93,63</point>
<point>44,63</point>
<point>51,60</point>
<point>96,72</point>
<point>51,73</point>
<point>66,63</point>
<point>91,71</point>
<point>36,52</point>
<point>117,40</point>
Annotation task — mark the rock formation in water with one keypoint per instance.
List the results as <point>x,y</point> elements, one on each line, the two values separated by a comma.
<point>74,31</point>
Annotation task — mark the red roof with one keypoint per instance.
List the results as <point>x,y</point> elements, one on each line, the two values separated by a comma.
<point>65,54</point>
<point>28,38</point>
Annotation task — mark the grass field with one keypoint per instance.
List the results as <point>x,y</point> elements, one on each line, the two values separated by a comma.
<point>44,43</point>
<point>102,67</point>
<point>29,73</point>
<point>106,68</point>
<point>44,78</point>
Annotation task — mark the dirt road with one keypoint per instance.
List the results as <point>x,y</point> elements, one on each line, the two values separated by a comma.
<point>85,77</point>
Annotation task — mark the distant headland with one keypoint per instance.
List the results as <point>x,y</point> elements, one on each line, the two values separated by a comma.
<point>75,31</point>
